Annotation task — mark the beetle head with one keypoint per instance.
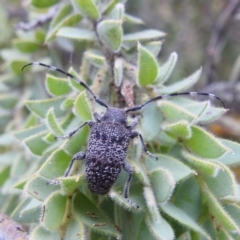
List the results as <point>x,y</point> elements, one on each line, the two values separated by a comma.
<point>115,115</point>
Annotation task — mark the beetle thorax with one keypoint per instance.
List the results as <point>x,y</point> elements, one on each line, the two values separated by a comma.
<point>115,115</point>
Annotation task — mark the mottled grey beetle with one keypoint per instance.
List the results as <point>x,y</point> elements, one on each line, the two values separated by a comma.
<point>109,139</point>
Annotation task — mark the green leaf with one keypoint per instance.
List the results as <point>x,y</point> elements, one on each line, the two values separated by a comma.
<point>43,3</point>
<point>56,164</point>
<point>26,46</point>
<point>181,217</point>
<point>75,230</point>
<point>163,184</point>
<point>53,124</point>
<point>57,86</point>
<point>205,144</point>
<point>68,103</point>
<point>180,129</point>
<point>152,204</point>
<point>208,167</point>
<point>181,85</point>
<point>70,20</point>
<point>36,144</point>
<point>218,183</point>
<point>211,113</point>
<point>160,230</point>
<point>39,188</point>
<point>110,33</point>
<point>147,66</point>
<point>81,107</point>
<point>151,122</point>
<point>218,211</point>
<point>80,34</point>
<point>154,47</point>
<point>89,8</point>
<point>85,209</point>
<point>7,100</point>
<point>96,58</point>
<point>28,211</point>
<point>61,14</point>
<point>117,13</point>
<point>132,19</point>
<point>118,72</point>
<point>41,107</point>
<point>16,65</point>
<point>54,210</point>
<point>40,233</point>
<point>23,134</point>
<point>177,168</point>
<point>174,112</point>
<point>165,71</point>
<point>145,35</point>
<point>231,157</point>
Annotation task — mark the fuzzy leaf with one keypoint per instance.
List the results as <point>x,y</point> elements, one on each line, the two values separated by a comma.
<point>75,230</point>
<point>154,47</point>
<point>68,103</point>
<point>81,107</point>
<point>174,112</point>
<point>41,107</point>
<point>38,188</point>
<point>145,35</point>
<point>218,183</point>
<point>80,34</point>
<point>57,86</point>
<point>40,233</point>
<point>22,135</point>
<point>165,71</point>
<point>84,209</point>
<point>147,66</point>
<point>152,204</point>
<point>211,114</point>
<point>163,184</point>
<point>132,19</point>
<point>70,21</point>
<point>96,58</point>
<point>205,144</point>
<point>55,165</point>
<point>36,144</point>
<point>118,72</point>
<point>181,217</point>
<point>54,210</point>
<point>181,85</point>
<point>230,158</point>
<point>61,14</point>
<point>219,212</point>
<point>110,32</point>
<point>180,129</point>
<point>73,83</point>
<point>177,168</point>
<point>43,3</point>
<point>26,46</point>
<point>89,8</point>
<point>53,124</point>
<point>160,230</point>
<point>151,122</point>
<point>211,168</point>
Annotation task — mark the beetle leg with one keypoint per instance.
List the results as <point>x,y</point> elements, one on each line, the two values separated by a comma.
<point>74,131</point>
<point>97,117</point>
<point>136,134</point>
<point>77,156</point>
<point>128,168</point>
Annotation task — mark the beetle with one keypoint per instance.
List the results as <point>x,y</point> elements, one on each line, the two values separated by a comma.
<point>110,135</point>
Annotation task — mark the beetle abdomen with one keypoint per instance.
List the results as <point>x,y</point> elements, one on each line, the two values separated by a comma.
<point>105,155</point>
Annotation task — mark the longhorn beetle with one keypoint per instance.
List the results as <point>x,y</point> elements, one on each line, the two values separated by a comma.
<point>109,139</point>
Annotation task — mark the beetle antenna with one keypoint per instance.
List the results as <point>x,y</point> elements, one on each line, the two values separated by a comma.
<point>99,101</point>
<point>139,107</point>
